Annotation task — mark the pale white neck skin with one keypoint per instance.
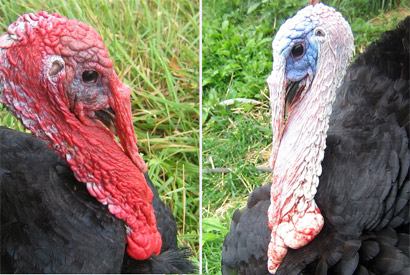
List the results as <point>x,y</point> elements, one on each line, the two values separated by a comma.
<point>293,215</point>
<point>298,152</point>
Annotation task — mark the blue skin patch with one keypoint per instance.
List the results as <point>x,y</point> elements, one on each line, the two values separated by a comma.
<point>298,68</point>
<point>298,33</point>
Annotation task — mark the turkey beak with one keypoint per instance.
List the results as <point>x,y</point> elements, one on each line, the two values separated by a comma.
<point>120,106</point>
<point>292,90</point>
<point>107,116</point>
<point>277,88</point>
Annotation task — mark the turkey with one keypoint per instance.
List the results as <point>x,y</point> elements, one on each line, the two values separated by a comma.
<point>339,201</point>
<point>57,79</point>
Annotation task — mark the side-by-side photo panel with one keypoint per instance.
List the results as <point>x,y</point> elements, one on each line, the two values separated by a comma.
<point>205,137</point>
<point>305,137</point>
<point>99,136</point>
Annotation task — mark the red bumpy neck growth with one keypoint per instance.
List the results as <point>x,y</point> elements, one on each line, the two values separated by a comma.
<point>43,59</point>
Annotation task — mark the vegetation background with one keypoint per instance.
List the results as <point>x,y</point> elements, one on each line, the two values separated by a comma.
<point>237,59</point>
<point>155,48</point>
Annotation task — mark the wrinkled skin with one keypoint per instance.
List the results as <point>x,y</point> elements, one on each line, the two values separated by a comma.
<point>57,78</point>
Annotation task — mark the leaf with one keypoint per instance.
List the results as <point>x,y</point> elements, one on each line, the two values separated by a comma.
<point>213,224</point>
<point>253,7</point>
<point>207,237</point>
<point>225,25</point>
<point>175,69</point>
<point>205,114</point>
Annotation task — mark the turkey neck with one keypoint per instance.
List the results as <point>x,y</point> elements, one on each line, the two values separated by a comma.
<point>100,162</point>
<point>41,83</point>
<point>297,166</point>
<point>299,143</point>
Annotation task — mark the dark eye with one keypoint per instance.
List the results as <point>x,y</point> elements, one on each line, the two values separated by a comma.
<point>90,76</point>
<point>297,51</point>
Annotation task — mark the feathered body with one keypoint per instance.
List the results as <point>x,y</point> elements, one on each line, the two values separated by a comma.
<point>51,224</point>
<point>363,191</point>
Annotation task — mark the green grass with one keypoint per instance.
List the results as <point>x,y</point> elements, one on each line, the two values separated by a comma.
<point>237,59</point>
<point>155,48</point>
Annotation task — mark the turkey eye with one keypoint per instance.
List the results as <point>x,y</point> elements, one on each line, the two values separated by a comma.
<point>297,51</point>
<point>90,76</point>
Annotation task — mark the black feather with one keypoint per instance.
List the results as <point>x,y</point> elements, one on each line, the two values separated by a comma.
<point>50,223</point>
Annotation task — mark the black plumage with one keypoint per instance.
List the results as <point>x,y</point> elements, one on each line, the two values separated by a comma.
<point>364,188</point>
<point>50,223</point>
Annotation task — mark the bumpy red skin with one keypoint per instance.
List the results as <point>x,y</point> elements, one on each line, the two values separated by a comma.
<point>48,107</point>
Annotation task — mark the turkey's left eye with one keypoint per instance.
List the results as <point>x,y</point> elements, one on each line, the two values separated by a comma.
<point>90,76</point>
<point>297,51</point>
